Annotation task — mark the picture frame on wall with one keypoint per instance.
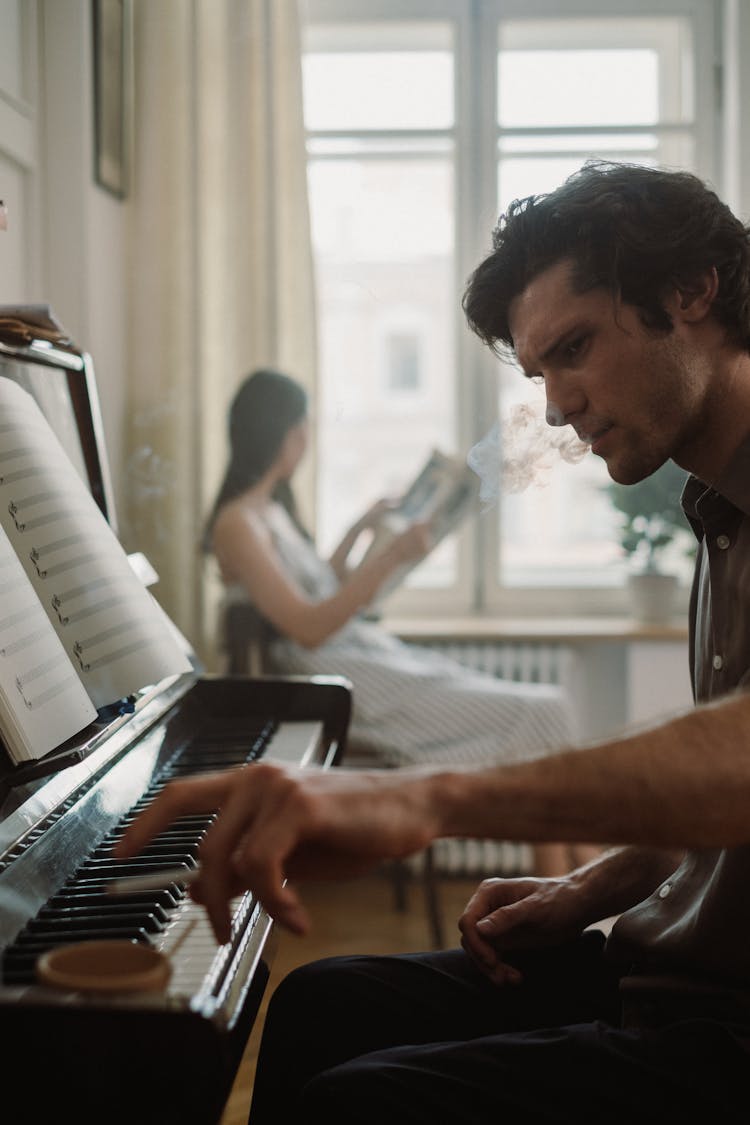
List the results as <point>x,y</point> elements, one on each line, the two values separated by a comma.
<point>112,82</point>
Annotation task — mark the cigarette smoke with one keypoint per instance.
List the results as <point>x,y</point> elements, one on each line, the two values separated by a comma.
<point>522,450</point>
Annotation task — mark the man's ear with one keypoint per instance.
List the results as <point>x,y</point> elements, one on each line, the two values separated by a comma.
<point>693,303</point>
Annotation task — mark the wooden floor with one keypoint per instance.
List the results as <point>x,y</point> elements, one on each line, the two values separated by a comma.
<point>351,917</point>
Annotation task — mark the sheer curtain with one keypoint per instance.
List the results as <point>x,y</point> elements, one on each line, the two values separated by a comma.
<point>221,265</point>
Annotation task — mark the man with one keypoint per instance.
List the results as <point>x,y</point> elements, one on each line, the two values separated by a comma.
<point>628,292</point>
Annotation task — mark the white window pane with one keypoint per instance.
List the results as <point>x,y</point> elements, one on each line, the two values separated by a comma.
<point>599,71</point>
<point>389,75</point>
<point>372,210</point>
<point>383,233</point>
<point>552,88</point>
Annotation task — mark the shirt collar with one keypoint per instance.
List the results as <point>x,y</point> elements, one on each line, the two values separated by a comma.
<point>733,486</point>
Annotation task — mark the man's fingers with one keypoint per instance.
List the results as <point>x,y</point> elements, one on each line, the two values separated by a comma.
<point>481,952</point>
<point>248,846</point>
<point>505,974</point>
<point>488,962</point>
<point>177,799</point>
<point>503,920</point>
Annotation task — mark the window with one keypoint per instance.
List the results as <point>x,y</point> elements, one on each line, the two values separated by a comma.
<point>402,361</point>
<point>424,119</point>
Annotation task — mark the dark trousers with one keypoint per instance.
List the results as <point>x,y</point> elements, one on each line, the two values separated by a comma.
<point>425,1038</point>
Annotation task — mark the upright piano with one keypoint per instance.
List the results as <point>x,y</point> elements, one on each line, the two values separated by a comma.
<point>132,1057</point>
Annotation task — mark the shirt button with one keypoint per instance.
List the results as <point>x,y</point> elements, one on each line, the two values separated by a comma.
<point>718,662</point>
<point>664,891</point>
<point>722,541</point>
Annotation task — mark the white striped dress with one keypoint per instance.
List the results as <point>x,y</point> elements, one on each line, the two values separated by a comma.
<point>412,705</point>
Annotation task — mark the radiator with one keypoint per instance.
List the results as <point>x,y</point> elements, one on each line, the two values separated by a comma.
<point>528,662</point>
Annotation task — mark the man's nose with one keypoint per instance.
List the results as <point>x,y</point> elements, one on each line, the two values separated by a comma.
<point>563,401</point>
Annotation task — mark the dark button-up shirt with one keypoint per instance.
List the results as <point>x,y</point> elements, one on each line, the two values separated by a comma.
<point>696,925</point>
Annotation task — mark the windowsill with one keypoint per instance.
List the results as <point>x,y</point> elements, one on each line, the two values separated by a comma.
<point>562,629</point>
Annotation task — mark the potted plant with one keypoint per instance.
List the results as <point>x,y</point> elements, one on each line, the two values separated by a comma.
<point>652,523</point>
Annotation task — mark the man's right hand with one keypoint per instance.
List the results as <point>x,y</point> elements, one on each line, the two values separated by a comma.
<point>506,914</point>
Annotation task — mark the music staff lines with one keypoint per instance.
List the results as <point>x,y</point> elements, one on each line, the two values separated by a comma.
<point>43,669</point>
<point>43,697</point>
<point>116,630</point>
<point>18,618</point>
<point>120,653</point>
<point>61,597</point>
<point>110,658</point>
<point>23,642</point>
<point>54,545</point>
<point>61,568</point>
<point>17,582</point>
<point>16,452</point>
<point>18,505</point>
<point>94,609</point>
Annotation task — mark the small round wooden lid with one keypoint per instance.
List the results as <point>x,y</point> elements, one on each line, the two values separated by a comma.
<point>104,966</point>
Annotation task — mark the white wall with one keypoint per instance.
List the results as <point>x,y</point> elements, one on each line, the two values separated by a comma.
<point>66,243</point>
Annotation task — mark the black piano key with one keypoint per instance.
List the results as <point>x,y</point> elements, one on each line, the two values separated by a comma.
<point>99,886</point>
<point>104,909</point>
<point>60,924</point>
<point>81,909</point>
<point>189,832</point>
<point>95,932</point>
<point>174,857</point>
<point>86,899</point>
<point>118,869</point>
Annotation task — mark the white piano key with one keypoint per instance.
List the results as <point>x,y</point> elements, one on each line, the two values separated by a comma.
<point>295,744</point>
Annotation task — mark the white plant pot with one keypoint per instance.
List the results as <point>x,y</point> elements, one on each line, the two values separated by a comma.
<point>652,596</point>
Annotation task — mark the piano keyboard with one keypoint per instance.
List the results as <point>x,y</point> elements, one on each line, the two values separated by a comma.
<point>81,910</point>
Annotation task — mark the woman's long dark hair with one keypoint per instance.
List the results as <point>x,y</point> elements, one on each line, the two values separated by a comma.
<point>266,407</point>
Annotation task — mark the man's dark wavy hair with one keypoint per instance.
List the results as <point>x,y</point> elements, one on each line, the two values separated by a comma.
<point>637,232</point>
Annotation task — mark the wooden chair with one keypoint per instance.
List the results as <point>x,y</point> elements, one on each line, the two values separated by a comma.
<point>245,637</point>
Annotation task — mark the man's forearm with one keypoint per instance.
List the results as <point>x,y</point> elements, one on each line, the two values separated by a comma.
<point>685,783</point>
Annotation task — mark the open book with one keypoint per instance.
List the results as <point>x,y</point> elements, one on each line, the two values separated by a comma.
<point>442,492</point>
<point>78,630</point>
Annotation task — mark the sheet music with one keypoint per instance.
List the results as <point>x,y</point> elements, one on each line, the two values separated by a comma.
<point>44,701</point>
<point>104,617</point>
<point>443,492</point>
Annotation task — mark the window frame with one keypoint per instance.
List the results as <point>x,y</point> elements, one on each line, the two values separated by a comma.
<point>475,136</point>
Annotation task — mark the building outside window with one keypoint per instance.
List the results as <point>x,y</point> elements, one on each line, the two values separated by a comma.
<point>402,362</point>
<point>424,120</point>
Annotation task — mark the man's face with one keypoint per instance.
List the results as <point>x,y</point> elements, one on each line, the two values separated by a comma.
<point>634,395</point>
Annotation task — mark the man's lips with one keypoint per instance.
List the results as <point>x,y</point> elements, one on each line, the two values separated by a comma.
<point>593,435</point>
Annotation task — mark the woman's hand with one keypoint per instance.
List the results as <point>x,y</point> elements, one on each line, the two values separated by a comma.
<point>375,514</point>
<point>413,544</point>
<point>506,914</point>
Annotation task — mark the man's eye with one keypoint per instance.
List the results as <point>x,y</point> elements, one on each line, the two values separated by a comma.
<point>573,347</point>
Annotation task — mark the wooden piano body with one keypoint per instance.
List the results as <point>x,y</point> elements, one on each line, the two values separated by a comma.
<point>166,1057</point>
